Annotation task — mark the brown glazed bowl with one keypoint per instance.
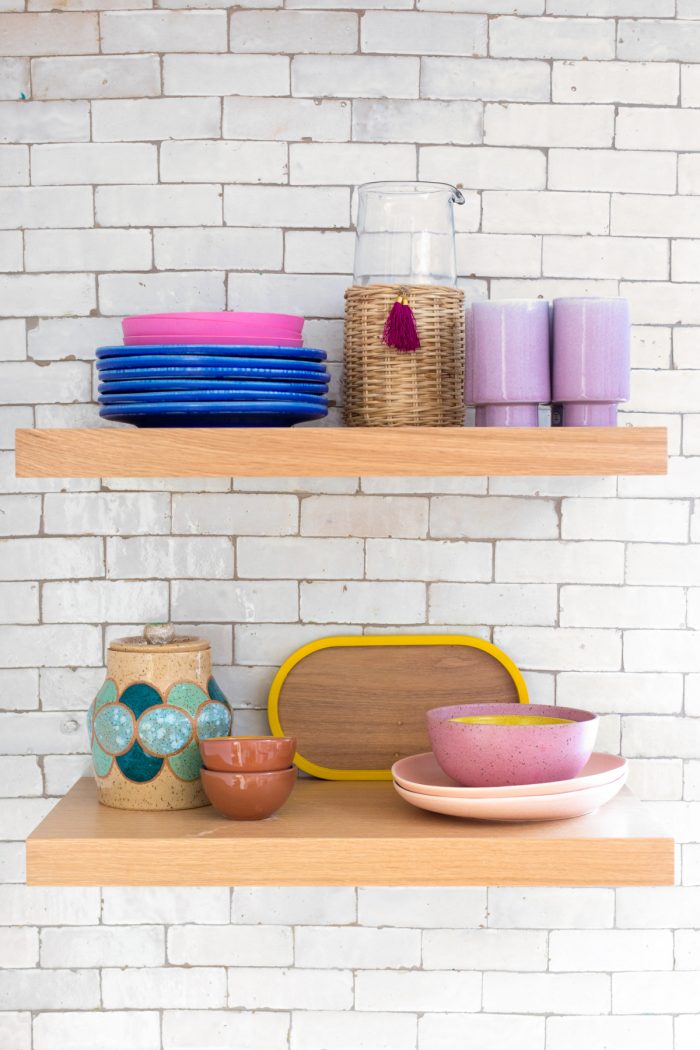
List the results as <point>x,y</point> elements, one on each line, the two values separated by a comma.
<point>247,754</point>
<point>248,796</point>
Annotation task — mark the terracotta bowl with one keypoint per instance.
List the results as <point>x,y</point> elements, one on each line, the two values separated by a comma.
<point>247,754</point>
<point>513,746</point>
<point>248,796</point>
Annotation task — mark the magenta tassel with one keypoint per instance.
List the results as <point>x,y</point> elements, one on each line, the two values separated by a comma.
<point>400,329</point>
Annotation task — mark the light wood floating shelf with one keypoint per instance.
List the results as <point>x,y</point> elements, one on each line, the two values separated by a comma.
<point>340,452</point>
<point>341,834</point>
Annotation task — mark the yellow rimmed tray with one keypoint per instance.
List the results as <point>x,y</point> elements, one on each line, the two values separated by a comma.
<point>357,704</point>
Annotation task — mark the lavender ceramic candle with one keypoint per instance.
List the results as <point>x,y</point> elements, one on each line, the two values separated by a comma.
<point>591,360</point>
<point>508,361</point>
<point>469,357</point>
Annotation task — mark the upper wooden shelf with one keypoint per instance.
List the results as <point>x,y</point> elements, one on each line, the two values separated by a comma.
<point>338,834</point>
<point>340,452</point>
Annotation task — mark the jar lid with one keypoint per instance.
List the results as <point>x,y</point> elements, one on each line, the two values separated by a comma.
<point>159,638</point>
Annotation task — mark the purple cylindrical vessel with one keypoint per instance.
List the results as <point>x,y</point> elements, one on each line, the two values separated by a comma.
<point>469,360</point>
<point>591,360</point>
<point>507,369</point>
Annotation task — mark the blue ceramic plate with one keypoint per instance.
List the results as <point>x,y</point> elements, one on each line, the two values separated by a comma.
<point>169,397</point>
<point>301,353</point>
<point>217,414</point>
<point>200,361</point>
<point>196,387</point>
<point>210,374</point>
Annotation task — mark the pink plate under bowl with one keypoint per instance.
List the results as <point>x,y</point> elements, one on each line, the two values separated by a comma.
<point>524,807</point>
<point>422,774</point>
<point>478,755</point>
<point>209,338</point>
<point>144,324</point>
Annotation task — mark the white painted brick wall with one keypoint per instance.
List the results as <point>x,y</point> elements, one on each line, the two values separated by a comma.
<point>50,989</point>
<point>290,989</point>
<point>293,32</point>
<point>528,125</point>
<point>355,76</point>
<point>552,38</point>
<point>644,83</point>
<point>607,950</point>
<point>357,947</point>
<point>110,1030</point>
<point>485,79</point>
<point>599,1033</point>
<point>124,31</point>
<point>423,34</point>
<point>104,77</point>
<point>157,205</point>
<point>536,212</point>
<point>49,34</point>
<point>429,907</point>
<point>203,987</point>
<point>217,74</point>
<point>76,946</point>
<point>37,207</point>
<point>585,993</point>
<point>45,121</point>
<point>404,990</point>
<point>485,949</point>
<point>179,156</point>
<point>628,172</point>
<point>330,1030</point>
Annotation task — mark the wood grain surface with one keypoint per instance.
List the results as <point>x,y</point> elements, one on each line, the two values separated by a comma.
<point>362,706</point>
<point>341,834</point>
<point>339,451</point>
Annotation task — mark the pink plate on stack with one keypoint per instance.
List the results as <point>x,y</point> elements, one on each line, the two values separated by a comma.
<point>138,324</point>
<point>420,781</point>
<point>522,807</point>
<point>252,329</point>
<point>422,773</point>
<point>220,335</point>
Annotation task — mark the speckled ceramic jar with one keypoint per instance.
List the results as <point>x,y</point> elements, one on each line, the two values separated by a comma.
<point>146,721</point>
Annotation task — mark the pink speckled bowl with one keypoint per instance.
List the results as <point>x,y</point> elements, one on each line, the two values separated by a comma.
<point>478,755</point>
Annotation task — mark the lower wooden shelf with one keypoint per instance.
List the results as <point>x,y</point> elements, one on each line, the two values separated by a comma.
<point>341,834</point>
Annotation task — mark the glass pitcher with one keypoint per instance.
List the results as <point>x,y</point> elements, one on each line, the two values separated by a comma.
<point>405,233</point>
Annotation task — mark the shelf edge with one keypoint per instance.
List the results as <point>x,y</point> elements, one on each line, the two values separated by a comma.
<point>341,452</point>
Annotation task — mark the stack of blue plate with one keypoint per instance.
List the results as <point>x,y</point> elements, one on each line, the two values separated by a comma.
<point>212,385</point>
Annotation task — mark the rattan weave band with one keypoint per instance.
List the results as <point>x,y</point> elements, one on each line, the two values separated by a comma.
<point>388,387</point>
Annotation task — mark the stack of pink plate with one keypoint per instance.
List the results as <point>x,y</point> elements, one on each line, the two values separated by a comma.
<point>420,780</point>
<point>230,328</point>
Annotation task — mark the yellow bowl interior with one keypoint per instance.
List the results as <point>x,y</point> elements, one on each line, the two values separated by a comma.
<point>512,720</point>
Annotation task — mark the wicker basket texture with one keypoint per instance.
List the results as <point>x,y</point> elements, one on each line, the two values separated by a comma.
<point>389,387</point>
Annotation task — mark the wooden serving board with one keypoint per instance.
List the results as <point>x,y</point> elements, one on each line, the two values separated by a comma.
<point>357,704</point>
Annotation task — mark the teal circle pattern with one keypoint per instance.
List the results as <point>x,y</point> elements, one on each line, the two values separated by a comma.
<point>140,731</point>
<point>107,694</point>
<point>102,761</point>
<point>187,696</point>
<point>215,691</point>
<point>139,697</point>
<point>164,730</point>
<point>114,728</point>
<point>214,719</point>
<point>187,764</point>
<point>139,766</point>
